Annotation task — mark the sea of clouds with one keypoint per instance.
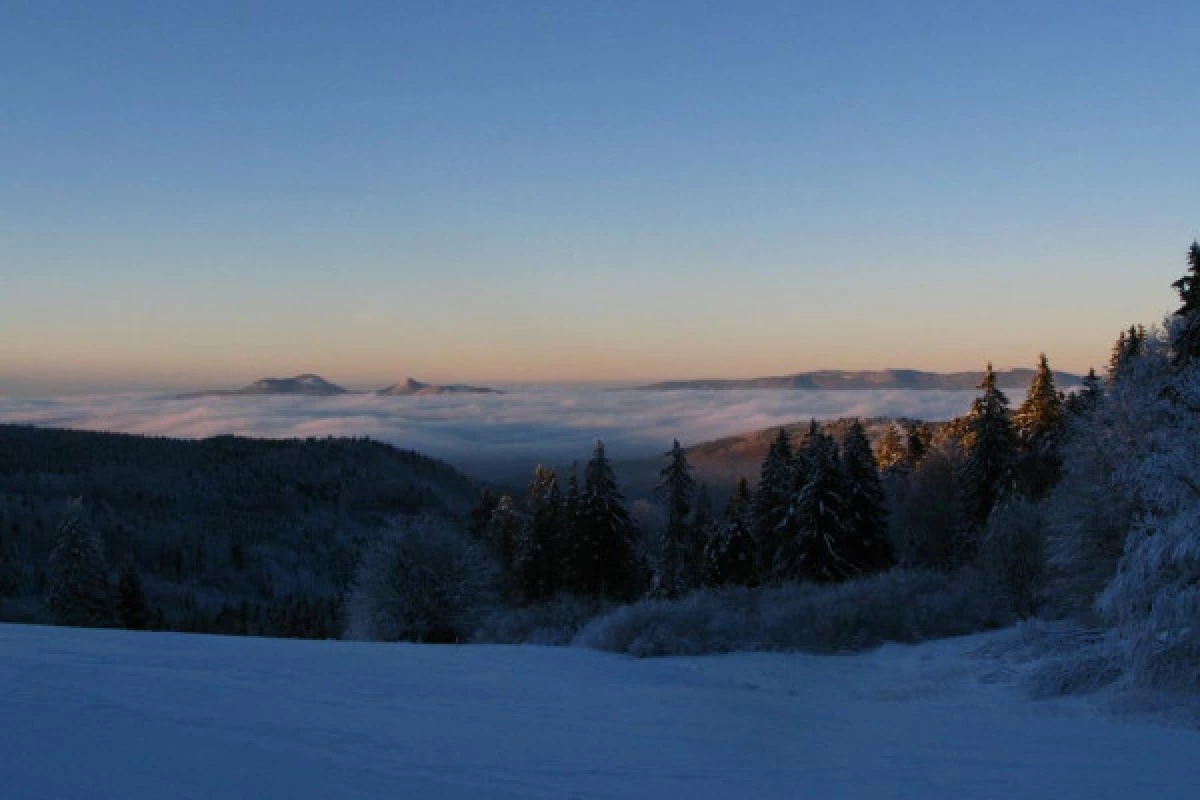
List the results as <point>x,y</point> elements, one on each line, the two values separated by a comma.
<point>486,433</point>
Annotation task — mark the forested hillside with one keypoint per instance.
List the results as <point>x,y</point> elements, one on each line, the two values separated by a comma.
<point>225,534</point>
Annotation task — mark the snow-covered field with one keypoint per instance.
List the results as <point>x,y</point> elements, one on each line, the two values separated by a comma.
<point>108,715</point>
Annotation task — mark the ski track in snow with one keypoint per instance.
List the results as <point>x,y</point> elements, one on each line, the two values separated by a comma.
<point>112,715</point>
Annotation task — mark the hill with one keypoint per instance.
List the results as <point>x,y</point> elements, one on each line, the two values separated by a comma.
<point>230,534</point>
<point>410,387</point>
<point>1016,378</point>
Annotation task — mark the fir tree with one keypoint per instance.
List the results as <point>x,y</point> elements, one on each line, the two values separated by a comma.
<point>481,515</point>
<point>605,560</point>
<point>1039,425</point>
<point>892,452</point>
<point>731,556</point>
<point>770,505</point>
<point>80,594</point>
<point>131,598</point>
<point>866,512</point>
<point>675,491</point>
<point>1129,345</point>
<point>702,527</point>
<point>503,533</point>
<point>989,445</point>
<point>916,444</point>
<point>1187,339</point>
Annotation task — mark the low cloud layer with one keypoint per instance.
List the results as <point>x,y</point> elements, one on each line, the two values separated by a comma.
<point>482,432</point>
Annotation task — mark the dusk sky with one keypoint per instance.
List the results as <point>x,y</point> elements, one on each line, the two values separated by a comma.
<point>207,193</point>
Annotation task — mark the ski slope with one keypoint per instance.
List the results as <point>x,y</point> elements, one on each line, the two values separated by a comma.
<point>110,715</point>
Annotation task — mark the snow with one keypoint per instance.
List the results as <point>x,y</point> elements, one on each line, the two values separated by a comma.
<point>104,715</point>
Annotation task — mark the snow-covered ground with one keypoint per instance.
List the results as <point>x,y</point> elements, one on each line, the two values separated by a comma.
<point>108,715</point>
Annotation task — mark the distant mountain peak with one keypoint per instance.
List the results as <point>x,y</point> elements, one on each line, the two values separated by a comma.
<point>411,386</point>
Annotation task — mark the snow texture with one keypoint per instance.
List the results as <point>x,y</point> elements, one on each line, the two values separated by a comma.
<point>108,715</point>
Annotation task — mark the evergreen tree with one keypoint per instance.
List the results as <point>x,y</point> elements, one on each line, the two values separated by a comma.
<point>1087,397</point>
<point>770,504</point>
<point>1039,426</point>
<point>990,446</point>
<point>702,530</point>
<point>131,598</point>
<point>503,533</point>
<point>816,544</point>
<point>866,512</point>
<point>1187,338</point>
<point>605,562</point>
<point>1129,345</point>
<point>892,452</point>
<point>731,556</point>
<point>675,491</point>
<point>916,444</point>
<point>80,594</point>
<point>541,551</point>
<point>481,515</point>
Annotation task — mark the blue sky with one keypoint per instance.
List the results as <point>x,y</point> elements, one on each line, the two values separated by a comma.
<point>199,193</point>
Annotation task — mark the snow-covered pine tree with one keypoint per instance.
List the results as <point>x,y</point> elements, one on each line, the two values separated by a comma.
<point>605,559</point>
<point>770,504</point>
<point>989,445</point>
<point>892,452</point>
<point>541,549</point>
<point>1129,345</point>
<point>731,556</point>
<point>676,489</point>
<point>80,594</point>
<point>131,598</point>
<point>866,512</point>
<point>1186,343</point>
<point>816,545</point>
<point>1039,425</point>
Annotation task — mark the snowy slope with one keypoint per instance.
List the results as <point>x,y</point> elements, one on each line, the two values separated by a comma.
<point>106,715</point>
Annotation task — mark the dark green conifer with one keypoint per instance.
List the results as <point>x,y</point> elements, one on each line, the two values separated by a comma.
<point>675,491</point>
<point>131,598</point>
<point>732,557</point>
<point>605,561</point>
<point>866,514</point>
<point>1039,426</point>
<point>990,446</point>
<point>770,504</point>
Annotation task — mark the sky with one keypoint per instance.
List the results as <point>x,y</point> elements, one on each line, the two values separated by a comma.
<point>204,194</point>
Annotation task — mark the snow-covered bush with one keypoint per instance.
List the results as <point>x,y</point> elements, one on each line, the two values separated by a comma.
<point>1012,555</point>
<point>555,622</point>
<point>900,605</point>
<point>426,583</point>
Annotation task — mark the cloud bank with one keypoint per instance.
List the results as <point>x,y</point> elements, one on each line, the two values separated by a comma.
<point>481,433</point>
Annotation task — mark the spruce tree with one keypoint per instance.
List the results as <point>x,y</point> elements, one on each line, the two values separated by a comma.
<point>702,528</point>
<point>675,491</point>
<point>481,515</point>
<point>131,598</point>
<point>541,552</point>
<point>866,513</point>
<point>892,452</point>
<point>1039,425</point>
<point>816,545</point>
<point>990,446</point>
<point>731,556</point>
<point>80,594</point>
<point>770,504</point>
<point>1087,397</point>
<point>916,444</point>
<point>1186,343</point>
<point>502,537</point>
<point>605,560</point>
<point>1129,345</point>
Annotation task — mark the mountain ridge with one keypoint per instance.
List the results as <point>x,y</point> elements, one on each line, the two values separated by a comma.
<point>827,380</point>
<point>310,385</point>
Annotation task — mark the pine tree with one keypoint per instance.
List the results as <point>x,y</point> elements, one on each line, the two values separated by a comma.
<point>1187,340</point>
<point>816,544</point>
<point>80,594</point>
<point>675,491</point>
<point>131,599</point>
<point>866,513</point>
<point>1039,426</point>
<point>990,446</point>
<point>892,452</point>
<point>1129,345</point>
<point>731,556</point>
<point>481,515</point>
<point>770,504</point>
<point>605,560</point>
<point>702,526</point>
<point>503,533</point>
<point>541,550</point>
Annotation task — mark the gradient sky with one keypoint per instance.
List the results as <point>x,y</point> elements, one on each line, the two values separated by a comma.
<point>207,193</point>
